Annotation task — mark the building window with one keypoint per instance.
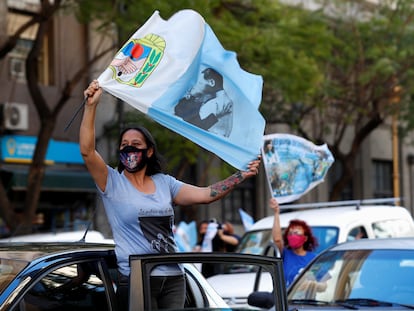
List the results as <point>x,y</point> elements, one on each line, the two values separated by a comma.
<point>382,179</point>
<point>17,57</point>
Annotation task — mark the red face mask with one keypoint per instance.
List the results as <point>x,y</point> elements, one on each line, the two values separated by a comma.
<point>296,241</point>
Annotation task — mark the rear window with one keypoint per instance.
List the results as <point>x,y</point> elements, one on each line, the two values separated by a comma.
<point>255,242</point>
<point>391,228</point>
<point>326,236</point>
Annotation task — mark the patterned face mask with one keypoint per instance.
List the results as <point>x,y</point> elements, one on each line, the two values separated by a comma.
<point>133,159</point>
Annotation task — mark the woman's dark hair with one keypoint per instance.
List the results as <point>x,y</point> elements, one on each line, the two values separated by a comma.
<point>267,142</point>
<point>156,162</point>
<point>211,74</point>
<point>311,243</point>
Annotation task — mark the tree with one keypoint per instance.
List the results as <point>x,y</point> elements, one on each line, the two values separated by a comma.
<point>332,73</point>
<point>362,55</point>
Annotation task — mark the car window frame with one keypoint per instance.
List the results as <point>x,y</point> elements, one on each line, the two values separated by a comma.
<point>37,275</point>
<point>142,265</point>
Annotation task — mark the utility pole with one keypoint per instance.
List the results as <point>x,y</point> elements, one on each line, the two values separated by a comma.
<point>395,100</point>
<point>395,155</point>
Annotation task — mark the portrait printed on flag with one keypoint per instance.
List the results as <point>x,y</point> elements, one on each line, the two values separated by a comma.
<point>207,104</point>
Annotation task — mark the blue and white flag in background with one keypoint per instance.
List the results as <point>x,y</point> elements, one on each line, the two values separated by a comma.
<point>177,72</point>
<point>293,165</point>
<point>247,220</point>
<point>185,235</point>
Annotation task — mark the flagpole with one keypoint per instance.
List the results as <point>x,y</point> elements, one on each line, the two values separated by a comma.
<point>76,113</point>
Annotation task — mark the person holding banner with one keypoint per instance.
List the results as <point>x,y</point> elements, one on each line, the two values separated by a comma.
<point>296,245</point>
<point>139,198</point>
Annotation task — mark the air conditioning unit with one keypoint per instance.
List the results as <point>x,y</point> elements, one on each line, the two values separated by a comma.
<point>15,116</point>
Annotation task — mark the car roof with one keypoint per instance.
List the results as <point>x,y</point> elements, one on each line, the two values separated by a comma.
<point>329,216</point>
<point>382,243</point>
<point>28,251</point>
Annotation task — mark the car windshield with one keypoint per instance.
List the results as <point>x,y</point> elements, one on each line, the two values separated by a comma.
<point>255,242</point>
<point>357,276</point>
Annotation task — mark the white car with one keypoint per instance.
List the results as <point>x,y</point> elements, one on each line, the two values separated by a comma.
<point>331,225</point>
<point>90,236</point>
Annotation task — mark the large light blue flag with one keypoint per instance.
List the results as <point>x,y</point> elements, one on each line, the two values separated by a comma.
<point>177,72</point>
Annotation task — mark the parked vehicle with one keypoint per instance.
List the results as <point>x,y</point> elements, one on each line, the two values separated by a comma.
<point>331,225</point>
<point>82,276</point>
<point>335,222</point>
<point>368,274</point>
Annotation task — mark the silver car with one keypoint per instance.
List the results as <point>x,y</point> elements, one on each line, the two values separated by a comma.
<point>365,274</point>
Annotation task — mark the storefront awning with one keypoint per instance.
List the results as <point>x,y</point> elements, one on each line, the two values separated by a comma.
<point>63,180</point>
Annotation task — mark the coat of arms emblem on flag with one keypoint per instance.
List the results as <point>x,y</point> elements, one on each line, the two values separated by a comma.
<point>137,60</point>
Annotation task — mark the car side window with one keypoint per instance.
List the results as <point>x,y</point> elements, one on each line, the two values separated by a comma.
<point>357,233</point>
<point>74,287</point>
<point>391,228</point>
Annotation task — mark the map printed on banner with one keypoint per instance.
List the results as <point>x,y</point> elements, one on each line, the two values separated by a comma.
<point>293,165</point>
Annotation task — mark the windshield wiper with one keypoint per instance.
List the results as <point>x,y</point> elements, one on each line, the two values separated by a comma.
<point>346,304</point>
<point>312,302</point>
<point>366,302</point>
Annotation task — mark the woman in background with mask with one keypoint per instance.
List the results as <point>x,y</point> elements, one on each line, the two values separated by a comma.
<point>296,245</point>
<point>139,198</point>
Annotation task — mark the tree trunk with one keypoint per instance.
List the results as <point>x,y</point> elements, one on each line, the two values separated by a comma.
<point>345,178</point>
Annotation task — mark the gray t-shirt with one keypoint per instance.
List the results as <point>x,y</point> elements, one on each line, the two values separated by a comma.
<point>141,223</point>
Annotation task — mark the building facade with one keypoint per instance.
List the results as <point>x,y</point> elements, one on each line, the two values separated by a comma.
<point>68,195</point>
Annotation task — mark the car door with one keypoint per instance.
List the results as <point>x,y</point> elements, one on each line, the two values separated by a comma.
<point>81,285</point>
<point>204,297</point>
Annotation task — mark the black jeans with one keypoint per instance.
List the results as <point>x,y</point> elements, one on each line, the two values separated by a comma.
<point>122,292</point>
<point>167,292</point>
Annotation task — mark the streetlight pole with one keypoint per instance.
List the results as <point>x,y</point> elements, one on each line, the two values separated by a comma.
<point>395,155</point>
<point>395,150</point>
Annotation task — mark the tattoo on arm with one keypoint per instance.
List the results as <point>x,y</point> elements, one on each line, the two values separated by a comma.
<point>225,185</point>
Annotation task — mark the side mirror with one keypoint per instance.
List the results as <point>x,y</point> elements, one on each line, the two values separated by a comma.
<point>262,300</point>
